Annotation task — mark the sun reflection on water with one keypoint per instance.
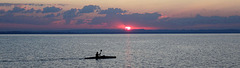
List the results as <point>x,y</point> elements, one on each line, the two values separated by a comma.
<point>127,53</point>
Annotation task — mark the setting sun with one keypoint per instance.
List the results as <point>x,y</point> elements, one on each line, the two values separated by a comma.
<point>127,28</point>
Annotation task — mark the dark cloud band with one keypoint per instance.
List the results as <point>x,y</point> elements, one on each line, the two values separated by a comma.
<point>114,16</point>
<point>29,4</point>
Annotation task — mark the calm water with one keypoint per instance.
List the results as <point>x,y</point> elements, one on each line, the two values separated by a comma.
<point>132,50</point>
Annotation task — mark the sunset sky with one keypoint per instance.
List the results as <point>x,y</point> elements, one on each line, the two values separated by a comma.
<point>117,14</point>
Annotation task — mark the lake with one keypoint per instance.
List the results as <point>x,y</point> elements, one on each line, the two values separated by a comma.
<point>132,50</point>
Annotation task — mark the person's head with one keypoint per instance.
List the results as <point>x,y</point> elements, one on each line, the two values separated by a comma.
<point>100,50</point>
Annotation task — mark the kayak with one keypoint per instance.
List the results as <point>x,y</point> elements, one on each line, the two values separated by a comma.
<point>101,57</point>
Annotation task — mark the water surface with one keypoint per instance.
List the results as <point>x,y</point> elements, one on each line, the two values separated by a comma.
<point>132,50</point>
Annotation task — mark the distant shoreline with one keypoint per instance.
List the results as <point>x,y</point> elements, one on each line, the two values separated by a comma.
<point>120,33</point>
<point>117,31</point>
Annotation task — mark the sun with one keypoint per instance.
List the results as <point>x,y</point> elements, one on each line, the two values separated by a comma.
<point>128,28</point>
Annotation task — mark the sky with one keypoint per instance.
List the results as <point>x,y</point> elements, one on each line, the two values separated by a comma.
<point>118,14</point>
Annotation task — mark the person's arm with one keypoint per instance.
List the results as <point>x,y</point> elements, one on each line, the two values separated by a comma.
<point>100,52</point>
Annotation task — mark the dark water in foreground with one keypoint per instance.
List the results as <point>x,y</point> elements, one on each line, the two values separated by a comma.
<point>132,50</point>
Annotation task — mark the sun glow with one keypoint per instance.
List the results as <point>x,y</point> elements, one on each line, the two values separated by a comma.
<point>127,28</point>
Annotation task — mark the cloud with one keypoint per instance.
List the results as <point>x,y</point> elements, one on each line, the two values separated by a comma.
<point>45,10</point>
<point>29,4</point>
<point>113,17</point>
<point>68,15</point>
<point>199,20</point>
<point>80,21</point>
<point>30,11</point>
<point>10,18</point>
<point>89,9</point>
<point>6,4</point>
<point>49,15</point>
<point>38,11</point>
<point>112,11</point>
<point>136,19</point>
<point>2,11</point>
<point>16,10</point>
<point>71,14</point>
<point>51,9</point>
<point>154,20</point>
<point>21,10</point>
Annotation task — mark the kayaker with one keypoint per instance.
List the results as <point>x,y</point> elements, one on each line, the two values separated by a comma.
<point>97,55</point>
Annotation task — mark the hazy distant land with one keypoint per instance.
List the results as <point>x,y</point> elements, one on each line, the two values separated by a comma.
<point>116,31</point>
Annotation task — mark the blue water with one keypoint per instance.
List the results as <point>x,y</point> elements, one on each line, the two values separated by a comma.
<point>132,50</point>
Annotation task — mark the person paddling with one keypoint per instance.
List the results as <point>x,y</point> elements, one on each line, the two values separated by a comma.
<point>98,55</point>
